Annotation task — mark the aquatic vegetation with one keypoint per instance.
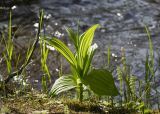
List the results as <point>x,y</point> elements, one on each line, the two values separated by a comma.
<point>100,81</point>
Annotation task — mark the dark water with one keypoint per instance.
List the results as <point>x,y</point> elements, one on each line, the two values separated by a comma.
<point>122,25</point>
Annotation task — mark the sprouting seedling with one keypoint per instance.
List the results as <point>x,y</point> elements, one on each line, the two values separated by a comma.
<point>100,81</point>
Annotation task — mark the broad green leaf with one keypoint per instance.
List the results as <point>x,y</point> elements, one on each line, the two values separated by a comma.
<point>101,82</point>
<point>63,49</point>
<point>64,83</point>
<point>85,43</point>
<point>86,40</point>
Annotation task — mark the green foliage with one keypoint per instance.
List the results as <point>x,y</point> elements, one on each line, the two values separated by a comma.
<point>126,79</point>
<point>63,49</point>
<point>149,69</point>
<point>97,79</point>
<point>8,54</point>
<point>130,97</point>
<point>9,45</point>
<point>80,63</point>
<point>44,54</point>
<point>62,84</point>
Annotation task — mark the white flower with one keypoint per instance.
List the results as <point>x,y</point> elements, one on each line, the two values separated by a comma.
<point>24,83</point>
<point>93,47</point>
<point>56,24</point>
<point>15,78</point>
<point>47,16</point>
<point>114,55</point>
<point>50,47</point>
<point>69,44</point>
<point>120,15</point>
<point>36,81</point>
<point>14,7</point>
<point>36,25</point>
<point>57,70</point>
<point>58,34</point>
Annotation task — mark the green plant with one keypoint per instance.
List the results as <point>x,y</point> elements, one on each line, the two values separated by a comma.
<point>127,80</point>
<point>8,53</point>
<point>149,68</point>
<point>44,54</point>
<point>8,45</point>
<point>100,81</point>
<point>8,57</point>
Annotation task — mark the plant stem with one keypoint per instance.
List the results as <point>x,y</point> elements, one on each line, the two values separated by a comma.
<point>79,90</point>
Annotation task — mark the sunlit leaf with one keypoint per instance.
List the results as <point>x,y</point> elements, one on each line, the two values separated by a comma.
<point>86,40</point>
<point>101,82</point>
<point>63,49</point>
<point>85,43</point>
<point>64,83</point>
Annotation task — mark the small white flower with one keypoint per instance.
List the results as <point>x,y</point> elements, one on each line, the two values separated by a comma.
<point>103,30</point>
<point>15,78</point>
<point>14,7</point>
<point>93,47</point>
<point>56,23</point>
<point>119,14</point>
<point>69,44</point>
<point>113,55</point>
<point>57,70</point>
<point>58,34</point>
<point>27,80</point>
<point>36,81</point>
<point>36,25</point>
<point>24,83</point>
<point>47,16</point>
<point>50,47</point>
